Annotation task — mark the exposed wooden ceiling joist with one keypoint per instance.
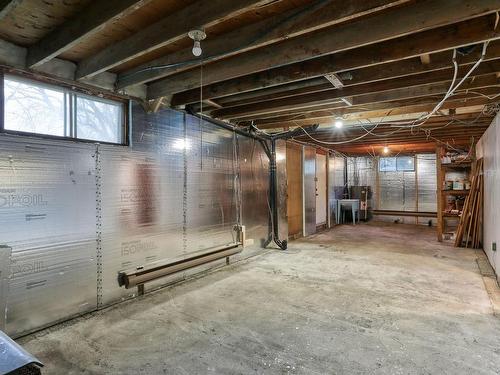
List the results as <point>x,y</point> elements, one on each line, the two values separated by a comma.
<point>377,110</point>
<point>400,68</point>
<point>295,22</point>
<point>200,14</point>
<point>7,6</point>
<point>422,15</point>
<point>399,88</point>
<point>89,22</point>
<point>450,129</point>
<point>464,33</point>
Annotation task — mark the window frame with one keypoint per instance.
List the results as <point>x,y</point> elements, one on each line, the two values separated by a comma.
<point>70,100</point>
<point>396,164</point>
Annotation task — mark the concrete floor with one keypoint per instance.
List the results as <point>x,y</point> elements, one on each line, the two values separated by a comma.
<point>364,299</point>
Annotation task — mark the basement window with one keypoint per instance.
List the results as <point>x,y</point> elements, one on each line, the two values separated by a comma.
<point>36,108</point>
<point>99,120</point>
<point>397,164</point>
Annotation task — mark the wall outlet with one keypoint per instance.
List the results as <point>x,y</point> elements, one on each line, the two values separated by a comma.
<point>494,246</point>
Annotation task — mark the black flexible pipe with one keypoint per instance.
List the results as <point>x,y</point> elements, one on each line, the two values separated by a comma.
<point>282,244</point>
<point>273,178</point>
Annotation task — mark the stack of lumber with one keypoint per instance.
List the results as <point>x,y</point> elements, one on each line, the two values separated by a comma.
<point>469,228</point>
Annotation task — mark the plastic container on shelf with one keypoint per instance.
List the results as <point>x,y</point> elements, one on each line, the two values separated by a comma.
<point>458,185</point>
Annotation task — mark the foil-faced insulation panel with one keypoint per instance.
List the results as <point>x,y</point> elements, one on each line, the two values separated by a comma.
<point>309,190</point>
<point>336,183</point>
<point>397,190</point>
<point>362,171</point>
<point>48,218</point>
<point>75,214</point>
<point>5,254</point>
<point>427,185</point>
<point>254,175</point>
<point>282,188</point>
<point>170,196</point>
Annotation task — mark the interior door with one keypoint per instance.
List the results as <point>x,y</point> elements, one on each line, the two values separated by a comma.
<point>321,191</point>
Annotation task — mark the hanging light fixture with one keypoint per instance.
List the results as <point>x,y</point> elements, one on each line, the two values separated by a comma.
<point>197,36</point>
<point>385,150</point>
<point>339,123</point>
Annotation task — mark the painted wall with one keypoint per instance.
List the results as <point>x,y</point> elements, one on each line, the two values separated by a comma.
<point>488,148</point>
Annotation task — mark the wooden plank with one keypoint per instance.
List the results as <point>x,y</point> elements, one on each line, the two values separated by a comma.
<point>402,133</point>
<point>442,60</point>
<point>89,22</point>
<point>403,148</point>
<point>405,20</point>
<point>461,34</point>
<point>440,182</point>
<point>294,189</point>
<point>203,13</point>
<point>6,6</point>
<point>290,24</point>
<point>375,110</point>
<point>318,98</point>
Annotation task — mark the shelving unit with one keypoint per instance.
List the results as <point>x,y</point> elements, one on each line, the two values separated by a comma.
<point>444,217</point>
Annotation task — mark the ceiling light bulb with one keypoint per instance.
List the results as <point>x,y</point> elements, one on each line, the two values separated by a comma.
<point>386,150</point>
<point>339,124</point>
<point>197,36</point>
<point>197,48</point>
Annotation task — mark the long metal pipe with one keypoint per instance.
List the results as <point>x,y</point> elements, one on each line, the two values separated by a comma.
<point>141,275</point>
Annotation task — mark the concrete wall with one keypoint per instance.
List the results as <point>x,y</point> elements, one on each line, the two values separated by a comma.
<point>488,148</point>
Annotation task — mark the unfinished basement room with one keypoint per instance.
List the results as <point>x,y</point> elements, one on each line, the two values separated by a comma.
<point>304,187</point>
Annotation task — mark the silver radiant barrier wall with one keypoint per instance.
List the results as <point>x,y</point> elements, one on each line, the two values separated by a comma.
<point>398,190</point>
<point>309,190</point>
<point>5,252</point>
<point>76,214</point>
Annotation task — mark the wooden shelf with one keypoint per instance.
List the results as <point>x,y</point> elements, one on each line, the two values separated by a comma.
<point>455,192</point>
<point>465,164</point>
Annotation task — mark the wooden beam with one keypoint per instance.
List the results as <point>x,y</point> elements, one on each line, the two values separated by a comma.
<point>202,13</point>
<point>339,109</point>
<point>441,60</point>
<point>88,22</point>
<point>404,135</point>
<point>444,38</point>
<point>427,146</point>
<point>324,97</point>
<point>378,110</point>
<point>422,15</point>
<point>297,21</point>
<point>6,6</point>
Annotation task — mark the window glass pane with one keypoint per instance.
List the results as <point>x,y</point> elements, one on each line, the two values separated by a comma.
<point>33,108</point>
<point>405,163</point>
<point>99,120</point>
<point>387,164</point>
